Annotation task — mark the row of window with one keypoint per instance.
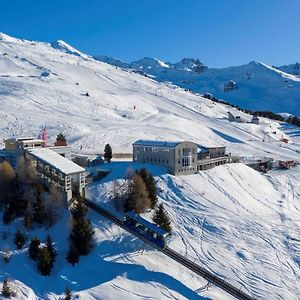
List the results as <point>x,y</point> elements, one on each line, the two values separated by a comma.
<point>156,160</point>
<point>186,151</point>
<point>185,170</point>
<point>151,149</point>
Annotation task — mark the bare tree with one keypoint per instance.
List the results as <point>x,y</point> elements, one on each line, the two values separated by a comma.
<point>6,175</point>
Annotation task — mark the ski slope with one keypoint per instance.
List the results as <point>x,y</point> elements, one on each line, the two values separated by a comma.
<point>242,225</point>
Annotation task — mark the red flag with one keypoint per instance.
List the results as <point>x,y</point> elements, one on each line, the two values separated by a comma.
<point>44,135</point>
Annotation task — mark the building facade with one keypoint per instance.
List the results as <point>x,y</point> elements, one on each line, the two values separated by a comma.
<point>53,164</point>
<point>177,157</point>
<point>180,158</point>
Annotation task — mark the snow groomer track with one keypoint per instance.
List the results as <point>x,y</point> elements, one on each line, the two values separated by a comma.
<point>227,287</point>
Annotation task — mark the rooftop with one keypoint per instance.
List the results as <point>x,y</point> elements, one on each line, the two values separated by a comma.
<point>150,225</point>
<point>156,143</point>
<point>57,161</point>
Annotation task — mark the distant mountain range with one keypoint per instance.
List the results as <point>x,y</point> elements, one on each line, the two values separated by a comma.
<point>253,86</point>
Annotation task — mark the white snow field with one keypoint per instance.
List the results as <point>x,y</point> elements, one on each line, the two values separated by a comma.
<point>257,85</point>
<point>242,225</point>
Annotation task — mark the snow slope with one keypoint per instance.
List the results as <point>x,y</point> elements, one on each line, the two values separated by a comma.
<point>259,86</point>
<point>241,224</point>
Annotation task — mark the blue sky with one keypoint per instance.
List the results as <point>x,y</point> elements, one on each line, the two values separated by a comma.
<point>218,32</point>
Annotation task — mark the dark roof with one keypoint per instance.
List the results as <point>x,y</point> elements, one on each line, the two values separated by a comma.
<point>150,225</point>
<point>156,143</point>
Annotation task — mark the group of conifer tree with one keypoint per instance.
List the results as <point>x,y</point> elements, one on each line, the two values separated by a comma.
<point>44,255</point>
<point>81,236</point>
<point>142,196</point>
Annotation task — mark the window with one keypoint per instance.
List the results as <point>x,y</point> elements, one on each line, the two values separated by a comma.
<point>179,161</point>
<point>178,151</point>
<point>186,161</point>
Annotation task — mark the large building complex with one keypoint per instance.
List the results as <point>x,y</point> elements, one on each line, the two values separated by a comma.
<point>53,164</point>
<point>179,157</point>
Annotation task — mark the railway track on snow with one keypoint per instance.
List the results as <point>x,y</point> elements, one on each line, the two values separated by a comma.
<point>210,277</point>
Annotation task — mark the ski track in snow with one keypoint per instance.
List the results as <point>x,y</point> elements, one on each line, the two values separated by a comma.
<point>241,225</point>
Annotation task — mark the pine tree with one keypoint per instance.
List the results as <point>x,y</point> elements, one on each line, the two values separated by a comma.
<point>19,239</point>
<point>68,294</point>
<point>51,248</point>
<point>60,140</point>
<point>44,261</point>
<point>39,213</point>
<point>161,218</point>
<point>82,236</point>
<point>79,209</point>
<point>34,248</point>
<point>107,153</point>
<point>73,255</point>
<point>138,197</point>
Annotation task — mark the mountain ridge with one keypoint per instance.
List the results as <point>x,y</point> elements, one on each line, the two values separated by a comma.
<point>258,86</point>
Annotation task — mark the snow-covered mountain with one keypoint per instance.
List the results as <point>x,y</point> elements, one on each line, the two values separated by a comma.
<point>242,225</point>
<point>293,69</point>
<point>257,85</point>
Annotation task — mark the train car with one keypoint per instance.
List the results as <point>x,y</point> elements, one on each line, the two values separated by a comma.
<point>150,231</point>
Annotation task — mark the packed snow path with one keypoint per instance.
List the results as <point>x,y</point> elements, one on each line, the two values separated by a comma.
<point>227,287</point>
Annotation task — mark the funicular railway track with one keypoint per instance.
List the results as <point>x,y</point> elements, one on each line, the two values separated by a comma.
<point>210,277</point>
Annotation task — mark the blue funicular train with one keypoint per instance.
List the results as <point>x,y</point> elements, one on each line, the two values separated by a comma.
<point>148,230</point>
